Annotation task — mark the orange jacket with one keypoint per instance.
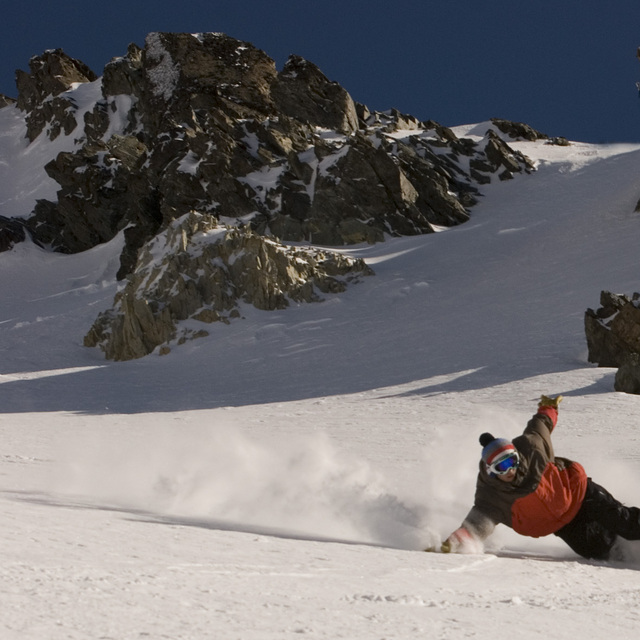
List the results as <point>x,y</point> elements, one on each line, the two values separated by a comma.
<point>545,495</point>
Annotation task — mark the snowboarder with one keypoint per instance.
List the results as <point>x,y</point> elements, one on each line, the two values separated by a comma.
<point>522,484</point>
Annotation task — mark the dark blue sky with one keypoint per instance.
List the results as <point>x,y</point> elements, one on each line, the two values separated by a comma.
<point>566,67</point>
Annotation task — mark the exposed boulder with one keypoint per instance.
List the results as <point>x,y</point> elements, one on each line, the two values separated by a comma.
<point>627,378</point>
<point>518,130</point>
<point>613,330</point>
<point>559,141</point>
<point>200,271</point>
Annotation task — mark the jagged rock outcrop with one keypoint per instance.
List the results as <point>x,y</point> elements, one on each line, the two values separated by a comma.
<point>11,232</point>
<point>518,130</point>
<point>627,378</point>
<point>51,74</point>
<point>100,191</point>
<point>206,122</point>
<point>522,131</point>
<point>301,91</point>
<point>613,330</point>
<point>5,101</point>
<point>201,271</point>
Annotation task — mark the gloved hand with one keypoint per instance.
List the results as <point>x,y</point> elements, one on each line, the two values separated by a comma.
<point>457,541</point>
<point>446,546</point>
<point>547,401</point>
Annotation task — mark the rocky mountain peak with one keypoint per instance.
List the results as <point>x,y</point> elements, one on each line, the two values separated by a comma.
<point>210,70</point>
<point>302,91</point>
<point>206,123</point>
<point>50,74</point>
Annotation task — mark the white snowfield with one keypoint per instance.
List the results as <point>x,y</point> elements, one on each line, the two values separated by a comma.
<point>279,478</point>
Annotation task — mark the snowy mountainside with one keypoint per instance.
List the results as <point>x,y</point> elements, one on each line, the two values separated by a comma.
<point>279,477</point>
<point>206,122</point>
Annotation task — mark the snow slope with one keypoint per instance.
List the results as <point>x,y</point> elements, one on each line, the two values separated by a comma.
<point>279,478</point>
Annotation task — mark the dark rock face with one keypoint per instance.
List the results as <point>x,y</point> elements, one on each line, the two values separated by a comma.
<point>628,375</point>
<point>205,122</point>
<point>521,131</point>
<point>51,74</point>
<point>11,232</point>
<point>518,130</point>
<point>302,92</point>
<point>613,331</point>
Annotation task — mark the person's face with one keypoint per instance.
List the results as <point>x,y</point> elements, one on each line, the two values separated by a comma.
<point>509,476</point>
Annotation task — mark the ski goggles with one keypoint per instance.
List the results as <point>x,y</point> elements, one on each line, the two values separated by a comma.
<point>504,464</point>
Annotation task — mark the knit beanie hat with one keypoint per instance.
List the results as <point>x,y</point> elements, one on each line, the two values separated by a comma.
<point>493,448</point>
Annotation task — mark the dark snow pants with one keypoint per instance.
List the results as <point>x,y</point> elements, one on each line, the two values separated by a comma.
<point>601,518</point>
